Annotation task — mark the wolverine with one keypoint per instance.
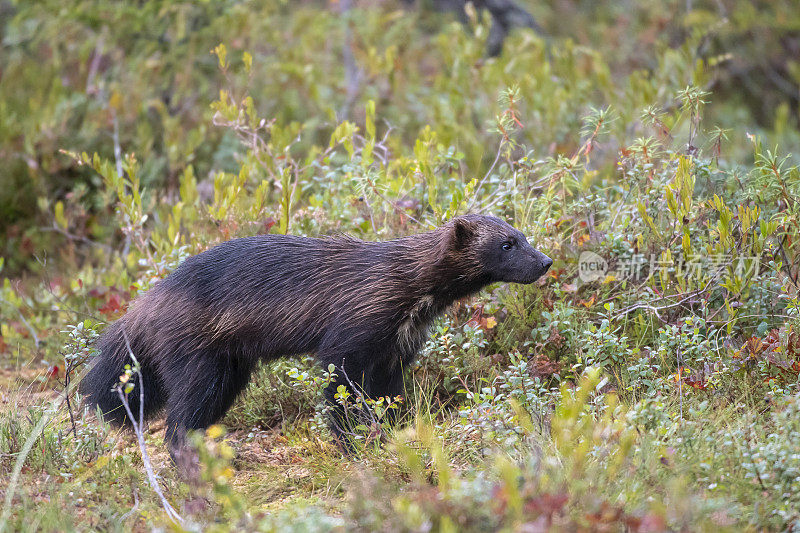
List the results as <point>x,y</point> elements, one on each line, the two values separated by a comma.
<point>363,307</point>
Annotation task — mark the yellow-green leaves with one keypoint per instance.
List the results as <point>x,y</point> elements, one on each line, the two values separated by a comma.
<point>222,55</point>
<point>580,437</point>
<point>247,59</point>
<point>648,220</point>
<point>58,213</point>
<point>724,224</point>
<point>344,134</point>
<point>369,142</point>
<point>227,188</point>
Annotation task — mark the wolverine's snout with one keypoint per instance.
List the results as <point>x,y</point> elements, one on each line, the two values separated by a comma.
<point>541,264</point>
<point>546,264</point>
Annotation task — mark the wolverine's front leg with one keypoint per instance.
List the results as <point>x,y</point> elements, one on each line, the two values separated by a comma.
<point>363,371</point>
<point>343,395</point>
<point>386,379</point>
<point>358,384</point>
<point>351,369</point>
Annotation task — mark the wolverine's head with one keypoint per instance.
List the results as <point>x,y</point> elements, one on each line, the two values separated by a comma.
<point>497,250</point>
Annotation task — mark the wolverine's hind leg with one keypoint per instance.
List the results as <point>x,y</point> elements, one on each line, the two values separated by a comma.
<point>201,389</point>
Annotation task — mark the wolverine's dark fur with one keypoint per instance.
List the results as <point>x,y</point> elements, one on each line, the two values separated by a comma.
<point>364,307</point>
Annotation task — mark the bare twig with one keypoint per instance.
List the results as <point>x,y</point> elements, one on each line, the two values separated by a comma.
<point>138,430</point>
<point>70,366</point>
<point>117,147</point>
<point>74,237</point>
<point>95,64</point>
<point>680,379</point>
<point>369,212</point>
<point>488,173</point>
<point>399,209</point>
<point>352,74</point>
<point>134,508</point>
<point>655,310</point>
<point>359,395</point>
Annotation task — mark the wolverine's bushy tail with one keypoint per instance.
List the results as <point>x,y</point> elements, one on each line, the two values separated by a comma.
<point>99,384</point>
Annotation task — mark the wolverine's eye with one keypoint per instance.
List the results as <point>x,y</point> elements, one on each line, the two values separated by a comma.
<point>508,245</point>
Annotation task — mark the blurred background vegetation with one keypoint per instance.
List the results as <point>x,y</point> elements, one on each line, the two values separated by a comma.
<point>139,77</point>
<point>133,134</point>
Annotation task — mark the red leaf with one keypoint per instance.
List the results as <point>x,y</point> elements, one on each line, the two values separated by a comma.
<point>546,504</point>
<point>268,223</point>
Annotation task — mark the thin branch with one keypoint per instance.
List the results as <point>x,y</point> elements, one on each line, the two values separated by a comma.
<point>117,147</point>
<point>69,367</point>
<point>488,173</point>
<point>399,209</point>
<point>134,508</point>
<point>137,428</point>
<point>74,237</point>
<point>94,66</point>
<point>352,74</point>
<point>655,310</point>
<point>359,395</point>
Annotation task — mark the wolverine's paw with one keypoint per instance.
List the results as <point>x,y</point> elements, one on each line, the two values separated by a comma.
<point>187,461</point>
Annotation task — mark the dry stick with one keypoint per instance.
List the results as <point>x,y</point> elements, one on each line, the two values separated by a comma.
<point>369,211</point>
<point>359,395</point>
<point>70,366</point>
<point>655,310</point>
<point>680,379</point>
<point>400,210</point>
<point>486,176</point>
<point>619,210</point>
<point>72,237</point>
<point>94,66</point>
<point>352,73</point>
<point>117,147</point>
<point>134,508</point>
<point>151,476</point>
<point>378,146</point>
<point>137,429</point>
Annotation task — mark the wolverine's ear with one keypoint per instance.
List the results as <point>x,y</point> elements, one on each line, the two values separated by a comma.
<point>463,231</point>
